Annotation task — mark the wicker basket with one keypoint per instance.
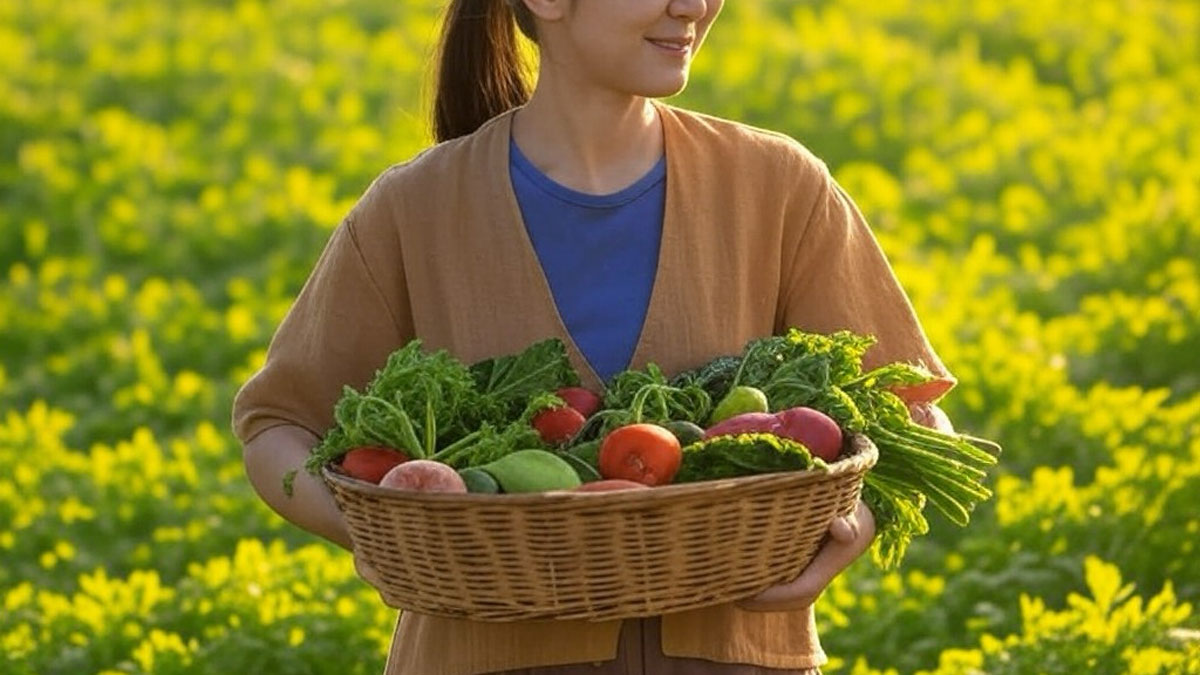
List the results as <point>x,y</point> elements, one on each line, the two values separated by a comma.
<point>596,556</point>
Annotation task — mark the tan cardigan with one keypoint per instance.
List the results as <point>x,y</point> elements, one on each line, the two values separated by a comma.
<point>756,237</point>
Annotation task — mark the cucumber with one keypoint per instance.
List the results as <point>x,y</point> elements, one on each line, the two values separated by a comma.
<point>588,452</point>
<point>533,471</point>
<point>685,431</point>
<point>586,472</point>
<point>479,481</point>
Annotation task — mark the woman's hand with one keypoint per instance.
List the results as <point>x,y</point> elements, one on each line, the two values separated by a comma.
<point>931,416</point>
<point>849,537</point>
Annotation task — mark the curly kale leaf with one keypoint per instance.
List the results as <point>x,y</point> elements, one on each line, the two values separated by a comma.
<point>506,383</point>
<point>435,390</point>
<point>744,455</point>
<point>714,377</point>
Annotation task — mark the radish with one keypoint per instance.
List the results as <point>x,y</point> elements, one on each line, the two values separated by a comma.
<point>424,475</point>
<point>816,430</point>
<point>746,423</point>
<point>584,400</point>
<point>813,428</point>
<point>610,485</point>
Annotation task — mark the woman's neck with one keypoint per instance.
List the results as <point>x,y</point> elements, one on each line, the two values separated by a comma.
<point>591,141</point>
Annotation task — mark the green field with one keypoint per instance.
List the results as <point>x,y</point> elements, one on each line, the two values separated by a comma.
<point>169,172</point>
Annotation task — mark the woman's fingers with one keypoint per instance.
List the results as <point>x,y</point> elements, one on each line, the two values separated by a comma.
<point>931,416</point>
<point>804,589</point>
<point>844,529</point>
<point>864,525</point>
<point>849,537</point>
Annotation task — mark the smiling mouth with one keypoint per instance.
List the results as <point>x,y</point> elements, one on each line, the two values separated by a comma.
<point>674,46</point>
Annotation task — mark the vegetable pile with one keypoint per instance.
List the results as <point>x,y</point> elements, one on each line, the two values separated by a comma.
<point>799,371</point>
<point>521,423</point>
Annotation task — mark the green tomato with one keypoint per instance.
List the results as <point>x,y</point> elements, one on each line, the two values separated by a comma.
<point>739,400</point>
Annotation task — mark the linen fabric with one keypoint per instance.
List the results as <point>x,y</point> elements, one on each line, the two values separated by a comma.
<point>757,236</point>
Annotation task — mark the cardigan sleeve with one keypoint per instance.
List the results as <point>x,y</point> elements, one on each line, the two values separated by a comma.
<point>351,313</point>
<point>838,278</point>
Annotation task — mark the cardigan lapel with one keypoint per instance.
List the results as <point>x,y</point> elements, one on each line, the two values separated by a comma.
<point>670,263</point>
<point>503,302</point>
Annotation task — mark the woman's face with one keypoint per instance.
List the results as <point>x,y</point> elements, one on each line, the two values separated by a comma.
<point>639,47</point>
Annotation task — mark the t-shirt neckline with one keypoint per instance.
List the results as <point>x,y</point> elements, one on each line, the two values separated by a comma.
<point>653,177</point>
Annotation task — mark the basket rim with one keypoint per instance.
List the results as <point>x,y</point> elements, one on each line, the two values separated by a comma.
<point>863,456</point>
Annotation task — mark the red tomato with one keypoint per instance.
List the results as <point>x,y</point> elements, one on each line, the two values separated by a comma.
<point>371,462</point>
<point>558,425</point>
<point>583,400</point>
<point>643,453</point>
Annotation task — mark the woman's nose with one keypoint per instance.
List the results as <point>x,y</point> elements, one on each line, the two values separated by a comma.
<point>688,9</point>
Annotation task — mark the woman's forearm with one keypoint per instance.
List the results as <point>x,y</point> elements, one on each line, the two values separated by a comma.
<point>271,455</point>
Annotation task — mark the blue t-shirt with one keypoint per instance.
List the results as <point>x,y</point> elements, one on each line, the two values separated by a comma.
<point>599,254</point>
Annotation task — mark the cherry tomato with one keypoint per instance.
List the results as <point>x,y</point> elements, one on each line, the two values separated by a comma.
<point>371,462</point>
<point>558,425</point>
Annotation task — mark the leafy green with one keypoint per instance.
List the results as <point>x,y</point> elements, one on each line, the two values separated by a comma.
<point>646,396</point>
<point>624,386</point>
<point>363,419</point>
<point>434,389</point>
<point>488,444</point>
<point>715,377</point>
<point>744,455</point>
<point>506,382</point>
<point>431,405</point>
<point>824,359</point>
<point>916,465</point>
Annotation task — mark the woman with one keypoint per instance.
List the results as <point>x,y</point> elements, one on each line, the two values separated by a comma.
<point>633,230</point>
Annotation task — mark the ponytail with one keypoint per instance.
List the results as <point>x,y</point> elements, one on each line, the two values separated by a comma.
<point>480,73</point>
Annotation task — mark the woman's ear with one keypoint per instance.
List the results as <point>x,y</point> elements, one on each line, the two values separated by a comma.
<point>547,10</point>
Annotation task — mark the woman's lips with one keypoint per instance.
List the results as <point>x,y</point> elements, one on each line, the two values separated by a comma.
<point>672,46</point>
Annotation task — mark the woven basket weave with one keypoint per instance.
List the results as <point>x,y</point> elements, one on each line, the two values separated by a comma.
<point>596,556</point>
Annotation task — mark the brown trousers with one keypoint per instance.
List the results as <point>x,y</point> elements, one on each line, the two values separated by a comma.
<point>639,652</point>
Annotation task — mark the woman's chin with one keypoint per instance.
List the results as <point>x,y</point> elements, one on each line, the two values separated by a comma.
<point>664,87</point>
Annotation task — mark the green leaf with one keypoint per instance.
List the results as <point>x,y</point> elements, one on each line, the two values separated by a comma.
<point>505,383</point>
<point>744,455</point>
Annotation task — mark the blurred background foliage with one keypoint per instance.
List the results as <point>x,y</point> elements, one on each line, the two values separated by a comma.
<point>169,172</point>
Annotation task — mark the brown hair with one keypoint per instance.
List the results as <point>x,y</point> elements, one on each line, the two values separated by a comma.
<point>480,73</point>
